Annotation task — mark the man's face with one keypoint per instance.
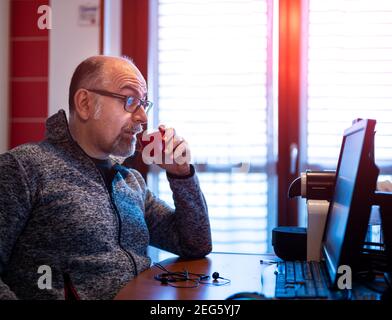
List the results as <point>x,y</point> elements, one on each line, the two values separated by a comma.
<point>113,129</point>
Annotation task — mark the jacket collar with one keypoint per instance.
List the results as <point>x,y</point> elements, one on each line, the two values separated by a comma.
<point>57,129</point>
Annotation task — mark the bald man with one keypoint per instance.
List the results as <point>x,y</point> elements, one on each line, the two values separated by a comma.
<point>73,222</point>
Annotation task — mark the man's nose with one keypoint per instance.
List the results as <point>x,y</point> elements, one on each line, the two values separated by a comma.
<point>139,116</point>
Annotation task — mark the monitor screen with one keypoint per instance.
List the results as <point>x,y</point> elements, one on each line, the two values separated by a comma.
<point>350,207</point>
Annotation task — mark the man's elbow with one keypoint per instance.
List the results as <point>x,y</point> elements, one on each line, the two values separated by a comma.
<point>197,252</point>
<point>206,250</point>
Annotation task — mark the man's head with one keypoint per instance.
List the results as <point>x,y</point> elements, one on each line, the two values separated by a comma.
<point>100,122</point>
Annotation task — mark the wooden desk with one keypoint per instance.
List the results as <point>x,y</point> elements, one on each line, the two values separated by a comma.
<point>244,271</point>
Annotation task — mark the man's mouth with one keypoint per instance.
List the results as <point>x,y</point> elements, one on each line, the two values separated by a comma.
<point>128,135</point>
<point>132,132</point>
<point>136,130</point>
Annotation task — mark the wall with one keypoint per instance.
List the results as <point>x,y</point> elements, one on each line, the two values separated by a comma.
<point>70,43</point>
<point>28,73</point>
<point>4,55</point>
<point>134,39</point>
<point>41,62</point>
<point>112,28</point>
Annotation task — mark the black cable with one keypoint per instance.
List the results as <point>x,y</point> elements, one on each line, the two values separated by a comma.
<point>217,282</point>
<point>172,277</point>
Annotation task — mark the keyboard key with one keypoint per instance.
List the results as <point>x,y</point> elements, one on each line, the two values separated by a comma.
<point>281,268</point>
<point>290,273</point>
<point>322,292</point>
<point>299,277</point>
<point>287,293</point>
<point>307,271</point>
<point>306,291</point>
<point>310,289</point>
<point>315,271</point>
<point>304,280</point>
<point>321,289</point>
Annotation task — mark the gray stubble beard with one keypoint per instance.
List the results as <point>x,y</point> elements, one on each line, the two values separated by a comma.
<point>129,152</point>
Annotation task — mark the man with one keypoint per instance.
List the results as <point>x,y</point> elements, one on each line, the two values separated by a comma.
<point>73,222</point>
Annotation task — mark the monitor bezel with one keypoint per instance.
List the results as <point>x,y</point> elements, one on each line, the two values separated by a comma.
<point>359,212</point>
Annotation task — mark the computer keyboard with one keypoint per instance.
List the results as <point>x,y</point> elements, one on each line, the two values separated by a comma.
<point>300,279</point>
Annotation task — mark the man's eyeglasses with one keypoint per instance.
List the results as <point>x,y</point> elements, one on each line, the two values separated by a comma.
<point>131,104</point>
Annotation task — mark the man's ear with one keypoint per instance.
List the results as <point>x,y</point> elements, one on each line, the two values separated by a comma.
<point>83,104</point>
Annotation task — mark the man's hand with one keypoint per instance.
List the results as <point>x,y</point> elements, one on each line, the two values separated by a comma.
<point>176,155</point>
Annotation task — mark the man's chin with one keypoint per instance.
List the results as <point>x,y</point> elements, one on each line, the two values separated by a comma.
<point>125,152</point>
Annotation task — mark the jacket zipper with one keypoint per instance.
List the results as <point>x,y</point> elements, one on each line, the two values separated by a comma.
<point>118,219</point>
<point>130,257</point>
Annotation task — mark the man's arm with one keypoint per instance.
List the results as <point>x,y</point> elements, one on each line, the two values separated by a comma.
<point>15,206</point>
<point>186,230</point>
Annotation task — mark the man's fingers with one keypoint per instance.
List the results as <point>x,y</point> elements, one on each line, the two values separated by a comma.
<point>168,133</point>
<point>182,153</point>
<point>170,140</point>
<point>176,148</point>
<point>162,127</point>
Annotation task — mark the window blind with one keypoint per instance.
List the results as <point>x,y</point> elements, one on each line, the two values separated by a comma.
<point>212,83</point>
<point>349,75</point>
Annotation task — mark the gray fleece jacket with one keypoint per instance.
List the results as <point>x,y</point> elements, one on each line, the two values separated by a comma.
<point>55,210</point>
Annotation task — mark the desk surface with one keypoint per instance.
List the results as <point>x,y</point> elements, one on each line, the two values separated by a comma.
<point>243,270</point>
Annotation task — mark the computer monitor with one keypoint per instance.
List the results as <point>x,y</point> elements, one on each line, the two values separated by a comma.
<point>349,210</point>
